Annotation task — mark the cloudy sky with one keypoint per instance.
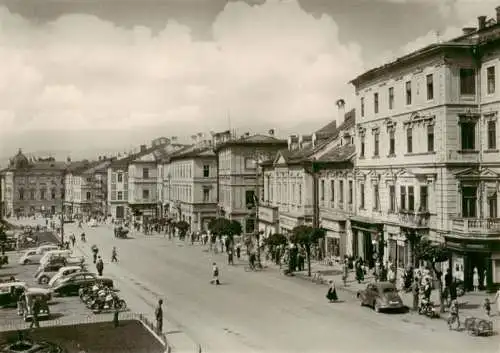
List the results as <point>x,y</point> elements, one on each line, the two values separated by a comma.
<point>81,76</point>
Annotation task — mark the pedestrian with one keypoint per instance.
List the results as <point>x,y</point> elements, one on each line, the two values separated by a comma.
<point>475,280</point>
<point>114,257</point>
<point>427,289</point>
<point>230,259</point>
<point>415,290</point>
<point>73,240</point>
<point>95,252</point>
<point>345,272</point>
<point>331,295</point>
<point>116,322</point>
<point>485,279</point>
<point>497,301</point>
<point>99,266</point>
<point>215,274</point>
<point>21,303</point>
<point>159,317</point>
<point>487,306</point>
<point>238,251</point>
<point>35,311</point>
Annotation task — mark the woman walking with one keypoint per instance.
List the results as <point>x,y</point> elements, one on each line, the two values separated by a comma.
<point>331,295</point>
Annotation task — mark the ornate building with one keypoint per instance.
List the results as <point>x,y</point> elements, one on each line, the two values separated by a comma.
<point>428,163</point>
<point>32,186</point>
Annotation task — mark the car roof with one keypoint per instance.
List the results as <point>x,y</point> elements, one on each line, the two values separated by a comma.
<point>69,268</point>
<point>12,284</point>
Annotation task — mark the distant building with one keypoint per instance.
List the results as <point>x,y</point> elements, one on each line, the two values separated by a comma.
<point>240,180</point>
<point>32,186</point>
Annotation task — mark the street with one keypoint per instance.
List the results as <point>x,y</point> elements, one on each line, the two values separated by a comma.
<point>260,311</point>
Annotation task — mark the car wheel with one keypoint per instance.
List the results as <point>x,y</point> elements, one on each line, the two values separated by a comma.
<point>26,262</point>
<point>44,280</point>
<point>376,306</point>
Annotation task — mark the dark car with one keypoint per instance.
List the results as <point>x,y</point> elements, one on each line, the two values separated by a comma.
<point>70,285</point>
<point>381,296</point>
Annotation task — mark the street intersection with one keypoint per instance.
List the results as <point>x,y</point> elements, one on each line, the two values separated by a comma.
<point>257,311</point>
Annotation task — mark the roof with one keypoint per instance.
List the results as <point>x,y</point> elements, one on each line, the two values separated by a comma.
<point>194,152</point>
<point>125,161</point>
<point>339,154</point>
<point>257,139</point>
<point>328,129</point>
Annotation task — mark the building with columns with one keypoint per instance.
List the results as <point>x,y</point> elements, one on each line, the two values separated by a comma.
<point>192,185</point>
<point>428,163</point>
<point>32,186</point>
<point>239,177</point>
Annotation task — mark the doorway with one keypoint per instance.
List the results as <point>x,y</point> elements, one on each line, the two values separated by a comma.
<point>477,260</point>
<point>120,212</point>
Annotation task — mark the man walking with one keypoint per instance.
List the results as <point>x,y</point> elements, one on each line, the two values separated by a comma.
<point>99,266</point>
<point>215,274</point>
<point>159,317</point>
<point>114,258</point>
<point>36,310</point>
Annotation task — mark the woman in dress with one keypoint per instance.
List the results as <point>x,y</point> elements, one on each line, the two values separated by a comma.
<point>331,295</point>
<point>475,280</point>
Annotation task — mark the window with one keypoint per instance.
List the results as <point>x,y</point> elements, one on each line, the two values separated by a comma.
<point>145,173</point>
<point>392,198</point>
<point>300,194</point>
<point>362,102</point>
<point>430,86</point>
<point>492,205</point>
<point>376,138</point>
<point>120,195</point>
<point>375,103</point>
<point>411,198</point>
<point>424,199</point>
<point>53,194</point>
<point>467,82</point>
<point>392,143</point>
<point>492,135</point>
<point>120,177</point>
<point>350,192</point>
<point>250,225</point>
<point>145,194</point>
<point>391,98</point>
<point>403,197</point>
<point>430,138</point>
<point>322,190</point>
<point>468,132</point>
<point>490,73</point>
<point>250,198</point>
<point>376,199</point>
<point>32,194</point>
<point>341,191</point>
<point>362,147</point>
<point>206,194</point>
<point>42,194</point>
<point>332,190</point>
<point>88,195</point>
<point>469,200</point>
<point>409,140</point>
<point>408,92</point>
<point>206,171</point>
<point>21,194</point>
<point>361,196</point>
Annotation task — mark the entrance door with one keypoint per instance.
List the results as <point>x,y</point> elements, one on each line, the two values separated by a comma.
<point>120,212</point>
<point>475,260</point>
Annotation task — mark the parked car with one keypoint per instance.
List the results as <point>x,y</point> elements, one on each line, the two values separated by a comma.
<point>70,285</point>
<point>44,312</point>
<point>9,290</point>
<point>63,272</point>
<point>381,296</point>
<point>50,272</point>
<point>53,254</point>
<point>33,256</point>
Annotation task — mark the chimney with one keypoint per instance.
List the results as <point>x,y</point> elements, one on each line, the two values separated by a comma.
<point>481,22</point>
<point>247,134</point>
<point>143,148</point>
<point>271,132</point>
<point>340,111</point>
<point>468,30</point>
<point>497,9</point>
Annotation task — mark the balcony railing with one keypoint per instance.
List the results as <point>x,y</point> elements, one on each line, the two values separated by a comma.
<point>414,219</point>
<point>475,225</point>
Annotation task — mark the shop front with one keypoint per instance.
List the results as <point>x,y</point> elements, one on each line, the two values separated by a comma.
<point>368,240</point>
<point>287,223</point>
<point>335,240</point>
<point>470,254</point>
<point>268,220</point>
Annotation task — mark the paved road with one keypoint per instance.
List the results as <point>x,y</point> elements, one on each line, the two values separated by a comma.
<point>264,311</point>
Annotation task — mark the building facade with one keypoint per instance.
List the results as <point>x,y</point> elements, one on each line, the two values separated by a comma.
<point>33,186</point>
<point>239,177</point>
<point>427,157</point>
<point>192,185</point>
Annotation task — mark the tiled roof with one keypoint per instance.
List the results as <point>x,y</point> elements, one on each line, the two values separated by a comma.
<point>193,152</point>
<point>328,129</point>
<point>338,154</point>
<point>257,139</point>
<point>125,161</point>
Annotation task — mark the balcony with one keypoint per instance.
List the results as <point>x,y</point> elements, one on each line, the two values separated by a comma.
<point>414,219</point>
<point>475,226</point>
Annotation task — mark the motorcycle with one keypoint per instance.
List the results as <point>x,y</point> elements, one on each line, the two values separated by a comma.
<point>427,308</point>
<point>109,302</point>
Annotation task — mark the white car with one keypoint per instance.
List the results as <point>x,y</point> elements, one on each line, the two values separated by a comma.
<point>31,256</point>
<point>63,272</point>
<point>54,253</point>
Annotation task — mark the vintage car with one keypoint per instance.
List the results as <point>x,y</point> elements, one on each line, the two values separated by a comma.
<point>9,293</point>
<point>29,298</point>
<point>70,285</point>
<point>381,296</point>
<point>33,256</point>
<point>62,272</point>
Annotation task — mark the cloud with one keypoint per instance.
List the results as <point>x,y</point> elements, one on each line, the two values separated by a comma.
<point>271,64</point>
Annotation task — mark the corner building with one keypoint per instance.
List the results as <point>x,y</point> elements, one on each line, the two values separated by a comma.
<point>427,156</point>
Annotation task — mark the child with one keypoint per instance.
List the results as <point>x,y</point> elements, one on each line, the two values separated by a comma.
<point>487,307</point>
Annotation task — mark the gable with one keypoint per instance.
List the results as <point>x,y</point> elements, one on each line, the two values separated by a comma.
<point>484,173</point>
<point>404,173</point>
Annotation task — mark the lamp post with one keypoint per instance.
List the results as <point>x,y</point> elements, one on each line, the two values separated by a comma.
<point>63,196</point>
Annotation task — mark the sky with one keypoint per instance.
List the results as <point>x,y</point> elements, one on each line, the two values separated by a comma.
<point>81,78</point>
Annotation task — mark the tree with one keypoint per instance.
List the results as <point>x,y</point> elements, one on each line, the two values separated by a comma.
<point>183,227</point>
<point>235,228</point>
<point>433,253</point>
<point>307,236</point>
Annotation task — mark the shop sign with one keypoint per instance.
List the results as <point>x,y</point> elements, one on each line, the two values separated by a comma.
<point>267,214</point>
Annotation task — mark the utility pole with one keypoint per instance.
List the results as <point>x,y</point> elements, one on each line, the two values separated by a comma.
<point>256,208</point>
<point>63,196</point>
